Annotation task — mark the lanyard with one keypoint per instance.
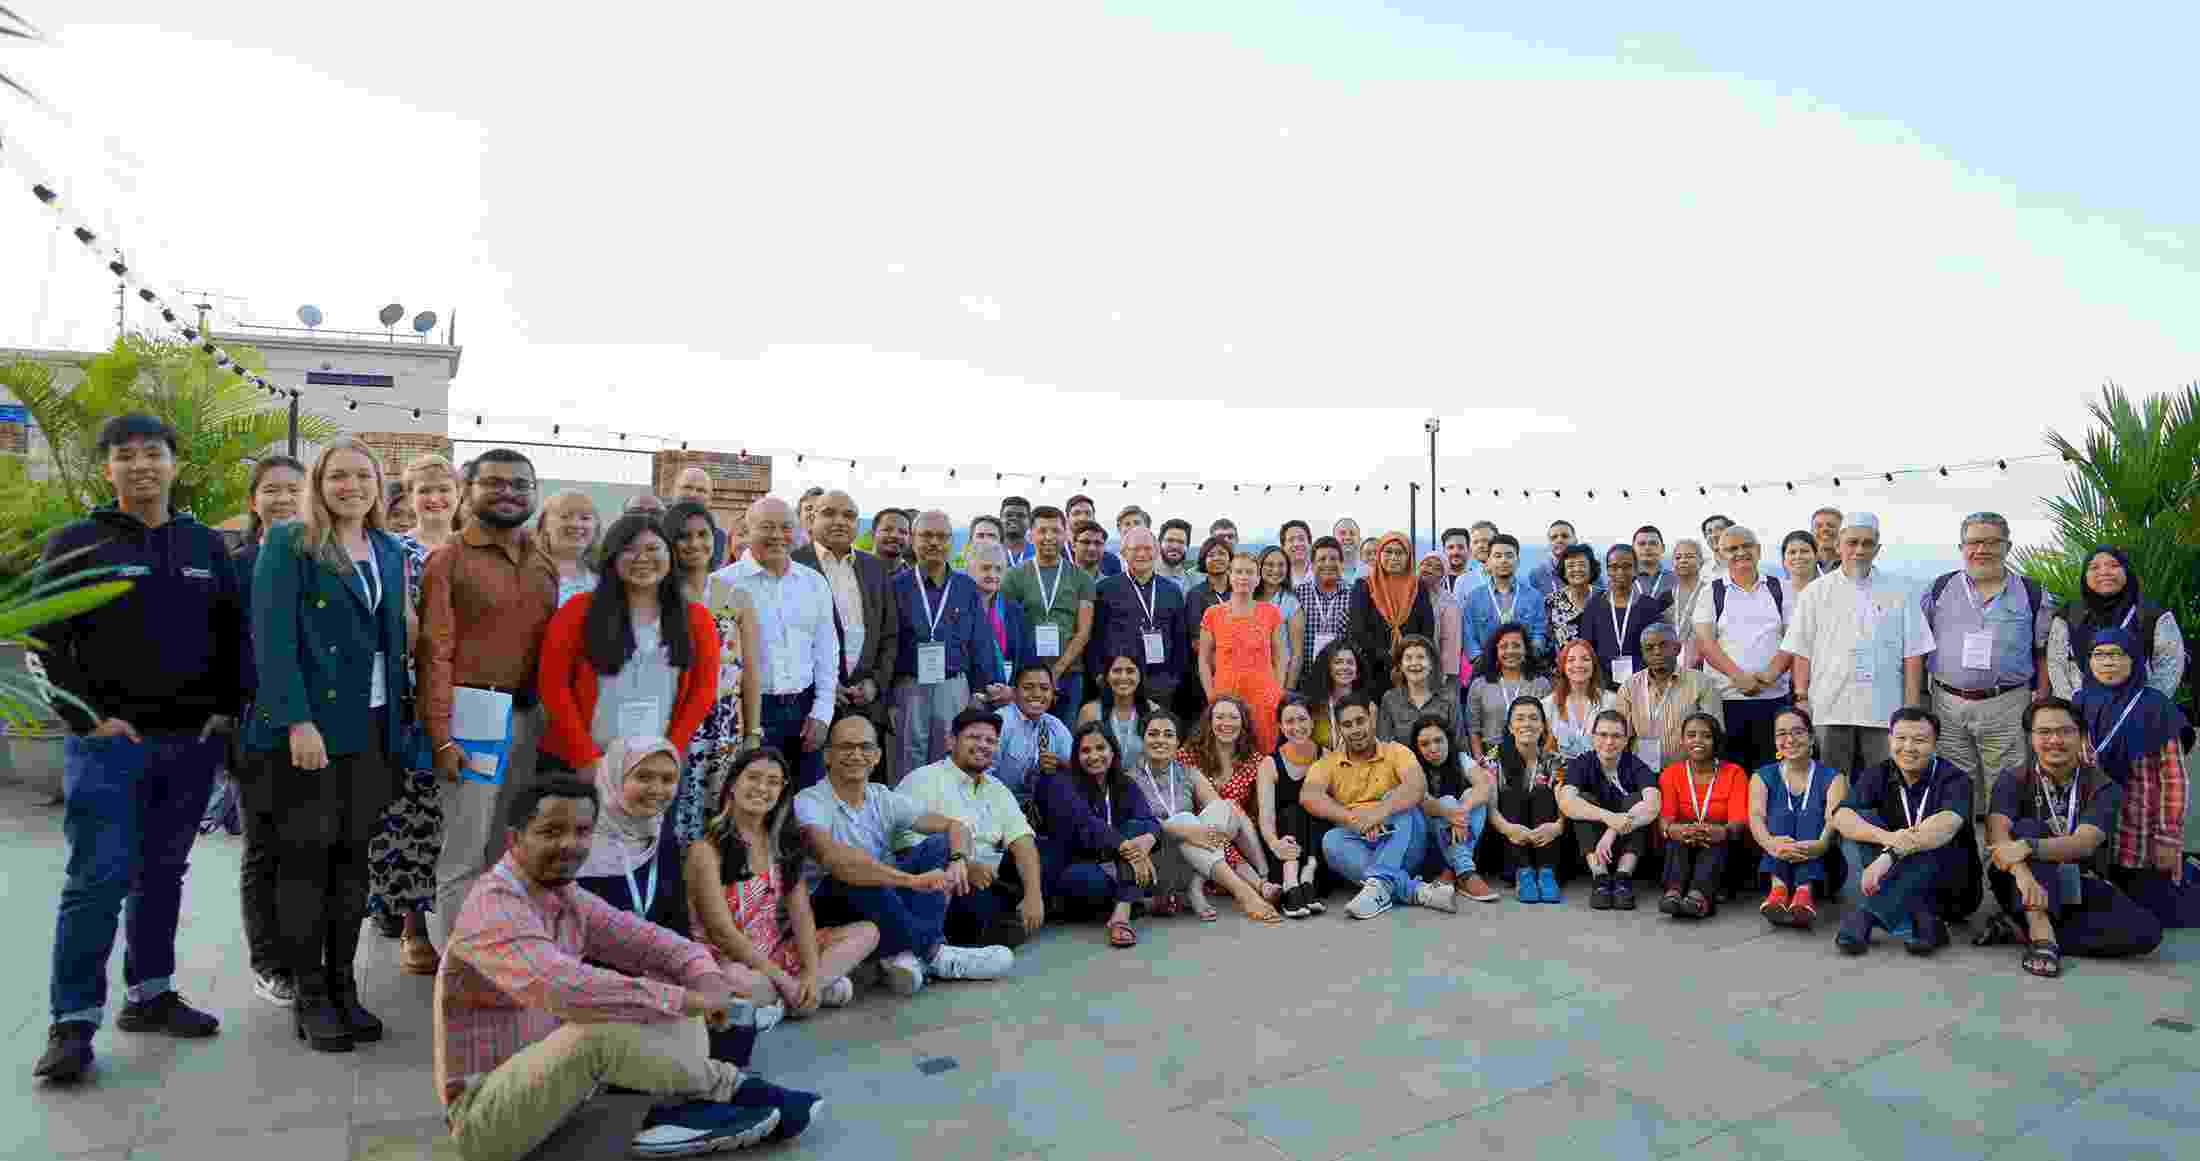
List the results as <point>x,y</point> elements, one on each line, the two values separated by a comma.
<point>1167,806</point>
<point>1047,594</point>
<point>1146,600</point>
<point>1657,711</point>
<point>1505,612</point>
<point>1611,775</point>
<point>370,578</point>
<point>1703,807</point>
<point>946,586</point>
<point>1016,558</point>
<point>1619,623</point>
<point>2129,613</point>
<point>2070,811</point>
<point>642,902</point>
<point>1923,800</point>
<point>2129,706</point>
<point>1796,801</point>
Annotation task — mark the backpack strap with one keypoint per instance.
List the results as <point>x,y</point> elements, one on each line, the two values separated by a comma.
<point>1718,599</point>
<point>1778,606</point>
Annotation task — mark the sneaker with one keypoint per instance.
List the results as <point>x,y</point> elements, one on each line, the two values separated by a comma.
<point>1311,894</point>
<point>167,1014</point>
<point>838,994</point>
<point>1294,903</point>
<point>1373,900</point>
<point>796,1108</point>
<point>1546,886</point>
<point>1623,894</point>
<point>1928,933</point>
<point>769,1015</point>
<point>1775,906</point>
<point>276,988</point>
<point>1477,888</point>
<point>1855,936</point>
<point>1436,897</point>
<point>68,1055</point>
<point>1600,896</point>
<point>904,974</point>
<point>970,963</point>
<point>1529,887</point>
<point>692,1128</point>
<point>1802,912</point>
<point>1670,902</point>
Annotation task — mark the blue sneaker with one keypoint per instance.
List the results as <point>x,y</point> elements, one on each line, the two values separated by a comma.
<point>796,1108</point>
<point>1531,891</point>
<point>1547,886</point>
<point>693,1128</point>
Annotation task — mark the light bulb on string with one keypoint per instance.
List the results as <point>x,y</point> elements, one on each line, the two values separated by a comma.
<point>1890,477</point>
<point>1944,471</point>
<point>2002,464</point>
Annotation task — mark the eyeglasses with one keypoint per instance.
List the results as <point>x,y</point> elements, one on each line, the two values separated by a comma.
<point>2054,731</point>
<point>1984,542</point>
<point>853,749</point>
<point>501,484</point>
<point>2110,654</point>
<point>1791,734</point>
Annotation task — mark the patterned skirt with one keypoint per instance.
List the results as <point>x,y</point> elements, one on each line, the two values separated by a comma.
<point>402,852</point>
<point>710,756</point>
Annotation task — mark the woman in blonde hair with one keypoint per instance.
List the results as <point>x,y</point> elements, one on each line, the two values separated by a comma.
<point>329,638</point>
<point>566,532</point>
<point>401,855</point>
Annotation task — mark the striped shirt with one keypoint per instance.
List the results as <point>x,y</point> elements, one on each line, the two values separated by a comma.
<point>514,973</point>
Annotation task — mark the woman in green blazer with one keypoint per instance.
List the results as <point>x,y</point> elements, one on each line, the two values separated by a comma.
<point>328,634</point>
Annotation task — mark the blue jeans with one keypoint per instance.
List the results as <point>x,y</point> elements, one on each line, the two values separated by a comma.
<point>1907,885</point>
<point>132,812</point>
<point>1390,859</point>
<point>907,920</point>
<point>783,716</point>
<point>1459,856</point>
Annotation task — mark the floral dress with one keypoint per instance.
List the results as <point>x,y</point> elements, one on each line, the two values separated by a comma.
<point>718,740</point>
<point>1561,619</point>
<point>402,851</point>
<point>1237,788</point>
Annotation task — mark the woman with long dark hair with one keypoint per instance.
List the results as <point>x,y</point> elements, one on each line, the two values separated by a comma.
<point>1337,672</point>
<point>1124,706</point>
<point>1103,830</point>
<point>632,658</point>
<point>691,531</point>
<point>1505,673</point>
<point>1293,835</point>
<point>328,630</point>
<point>1525,766</point>
<point>277,494</point>
<point>1456,800</point>
<point>1791,805</point>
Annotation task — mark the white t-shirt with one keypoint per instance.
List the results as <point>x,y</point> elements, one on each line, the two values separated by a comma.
<point>1750,634</point>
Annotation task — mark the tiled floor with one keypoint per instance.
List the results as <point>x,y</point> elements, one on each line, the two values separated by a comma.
<point>1506,1030</point>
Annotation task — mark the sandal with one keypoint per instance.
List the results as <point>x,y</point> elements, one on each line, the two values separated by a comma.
<point>1167,905</point>
<point>1266,914</point>
<point>1121,935</point>
<point>2044,959</point>
<point>1203,909</point>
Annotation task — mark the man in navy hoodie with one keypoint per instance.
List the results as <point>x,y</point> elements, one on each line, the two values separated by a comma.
<point>161,670</point>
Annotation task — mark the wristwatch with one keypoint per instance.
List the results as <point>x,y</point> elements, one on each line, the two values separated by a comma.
<point>955,856</point>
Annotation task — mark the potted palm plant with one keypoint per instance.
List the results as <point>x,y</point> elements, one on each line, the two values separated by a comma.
<point>40,597</point>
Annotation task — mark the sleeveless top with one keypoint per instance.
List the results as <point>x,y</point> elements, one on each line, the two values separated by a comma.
<point>1129,738</point>
<point>1290,779</point>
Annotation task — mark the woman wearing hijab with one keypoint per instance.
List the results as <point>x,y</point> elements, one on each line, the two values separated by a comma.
<point>1388,604</point>
<point>2109,595</point>
<point>633,860</point>
<point>2136,740</point>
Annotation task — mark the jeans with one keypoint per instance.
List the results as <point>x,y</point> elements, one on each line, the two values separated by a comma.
<point>783,716</point>
<point>1459,856</point>
<point>1908,885</point>
<point>1389,859</point>
<point>131,814</point>
<point>907,920</point>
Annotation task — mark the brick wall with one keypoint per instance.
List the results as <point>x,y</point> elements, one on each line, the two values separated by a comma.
<point>736,481</point>
<point>398,448</point>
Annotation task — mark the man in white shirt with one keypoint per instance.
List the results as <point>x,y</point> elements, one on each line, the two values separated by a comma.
<point>800,668</point>
<point>1738,625</point>
<point>1859,641</point>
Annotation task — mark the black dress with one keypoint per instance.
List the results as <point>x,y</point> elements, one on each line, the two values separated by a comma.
<point>1292,819</point>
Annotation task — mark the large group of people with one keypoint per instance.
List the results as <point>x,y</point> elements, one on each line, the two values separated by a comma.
<point>638,790</point>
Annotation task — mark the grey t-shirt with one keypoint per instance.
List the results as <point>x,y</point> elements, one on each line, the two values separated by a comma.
<point>869,828</point>
<point>637,700</point>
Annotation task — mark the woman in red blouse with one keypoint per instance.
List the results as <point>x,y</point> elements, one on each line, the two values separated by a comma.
<point>1705,804</point>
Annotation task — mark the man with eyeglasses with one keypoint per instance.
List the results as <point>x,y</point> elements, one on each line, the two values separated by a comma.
<point>800,668</point>
<point>1082,511</point>
<point>1989,652</point>
<point>849,824</point>
<point>1859,642</point>
<point>485,599</point>
<point>2048,852</point>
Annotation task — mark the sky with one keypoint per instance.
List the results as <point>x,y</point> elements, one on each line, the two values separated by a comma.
<point>1608,247</point>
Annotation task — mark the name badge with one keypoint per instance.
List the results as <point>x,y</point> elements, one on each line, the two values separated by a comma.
<point>1978,650</point>
<point>1049,640</point>
<point>378,690</point>
<point>931,663</point>
<point>1622,668</point>
<point>1863,665</point>
<point>641,719</point>
<point>198,573</point>
<point>1156,651</point>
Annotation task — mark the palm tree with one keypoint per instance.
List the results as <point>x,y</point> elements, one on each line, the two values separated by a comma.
<point>2133,483</point>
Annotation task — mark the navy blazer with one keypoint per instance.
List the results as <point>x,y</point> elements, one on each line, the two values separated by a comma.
<point>314,640</point>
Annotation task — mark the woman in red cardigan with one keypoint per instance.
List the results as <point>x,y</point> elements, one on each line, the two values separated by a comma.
<point>614,665</point>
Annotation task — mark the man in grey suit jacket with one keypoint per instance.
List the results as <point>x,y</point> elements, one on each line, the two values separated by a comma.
<point>864,612</point>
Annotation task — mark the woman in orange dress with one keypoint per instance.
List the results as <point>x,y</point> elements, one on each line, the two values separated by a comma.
<point>1242,651</point>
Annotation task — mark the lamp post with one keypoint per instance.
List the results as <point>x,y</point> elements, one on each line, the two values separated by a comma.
<point>1432,425</point>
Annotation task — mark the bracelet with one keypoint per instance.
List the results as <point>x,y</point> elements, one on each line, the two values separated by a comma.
<point>450,746</point>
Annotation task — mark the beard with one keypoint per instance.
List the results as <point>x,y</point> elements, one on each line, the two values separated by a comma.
<point>1172,557</point>
<point>500,521</point>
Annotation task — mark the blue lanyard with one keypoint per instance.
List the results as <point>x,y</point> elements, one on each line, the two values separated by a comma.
<point>642,902</point>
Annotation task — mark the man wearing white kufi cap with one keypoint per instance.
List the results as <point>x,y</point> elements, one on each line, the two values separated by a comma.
<point>1859,641</point>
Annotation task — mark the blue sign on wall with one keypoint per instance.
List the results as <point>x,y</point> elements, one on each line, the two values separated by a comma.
<point>349,379</point>
<point>14,413</point>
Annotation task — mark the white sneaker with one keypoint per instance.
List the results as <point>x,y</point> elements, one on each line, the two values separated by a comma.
<point>903,973</point>
<point>837,994</point>
<point>1436,896</point>
<point>276,989</point>
<point>769,1015</point>
<point>971,963</point>
<point>1373,900</point>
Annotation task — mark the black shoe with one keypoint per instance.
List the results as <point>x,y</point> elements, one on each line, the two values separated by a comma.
<point>169,1015</point>
<point>389,924</point>
<point>343,994</point>
<point>68,1055</point>
<point>1601,896</point>
<point>796,1108</point>
<point>1007,930</point>
<point>1927,933</point>
<point>1855,936</point>
<point>1623,895</point>
<point>1669,903</point>
<point>320,1023</point>
<point>1294,903</point>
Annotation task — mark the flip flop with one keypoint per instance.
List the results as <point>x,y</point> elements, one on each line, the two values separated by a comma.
<point>1207,914</point>
<point>2044,959</point>
<point>1121,935</point>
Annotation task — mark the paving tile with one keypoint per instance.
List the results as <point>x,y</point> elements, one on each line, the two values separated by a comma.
<point>1700,1088</point>
<point>1569,1119</point>
<point>1180,1133</point>
<point>1995,1092</point>
<point>1810,1049</point>
<point>1828,1124</point>
<point>280,1145</point>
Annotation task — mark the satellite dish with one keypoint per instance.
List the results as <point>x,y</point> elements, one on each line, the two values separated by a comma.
<point>392,313</point>
<point>424,322</point>
<point>310,315</point>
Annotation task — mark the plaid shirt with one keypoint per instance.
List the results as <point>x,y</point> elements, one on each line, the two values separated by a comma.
<point>1327,615</point>
<point>2154,808</point>
<point>513,972</point>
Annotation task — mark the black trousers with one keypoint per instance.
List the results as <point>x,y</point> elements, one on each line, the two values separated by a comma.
<point>2104,924</point>
<point>1749,730</point>
<point>1530,808</point>
<point>1690,868</point>
<point>1589,832</point>
<point>257,874</point>
<point>323,819</point>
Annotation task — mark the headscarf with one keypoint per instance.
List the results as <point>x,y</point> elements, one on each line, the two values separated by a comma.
<point>1433,585</point>
<point>2148,720</point>
<point>2110,610</point>
<point>623,842</point>
<point>1393,595</point>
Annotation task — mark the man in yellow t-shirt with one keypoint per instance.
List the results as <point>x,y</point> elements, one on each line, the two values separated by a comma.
<point>1371,791</point>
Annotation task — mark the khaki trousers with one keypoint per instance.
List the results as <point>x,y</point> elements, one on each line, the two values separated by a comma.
<point>506,1114</point>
